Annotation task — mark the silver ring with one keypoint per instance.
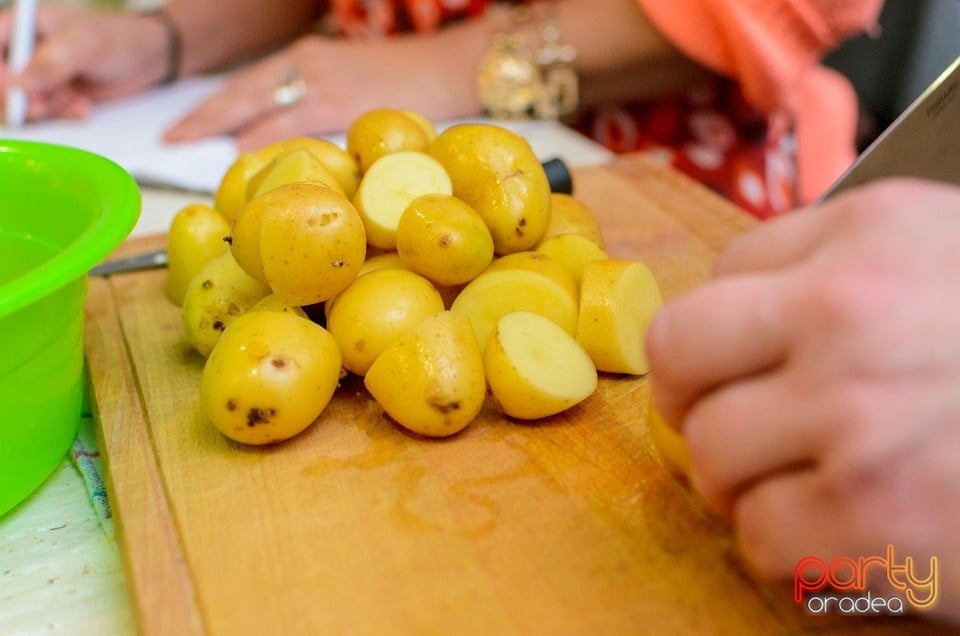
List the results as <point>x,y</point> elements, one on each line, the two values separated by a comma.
<point>291,89</point>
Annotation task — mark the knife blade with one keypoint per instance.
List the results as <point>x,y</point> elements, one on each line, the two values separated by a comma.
<point>924,141</point>
<point>139,262</point>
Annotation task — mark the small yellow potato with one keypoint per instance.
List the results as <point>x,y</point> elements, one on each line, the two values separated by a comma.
<point>494,294</point>
<point>617,301</point>
<point>231,194</point>
<point>431,379</point>
<point>337,160</point>
<point>443,239</point>
<point>382,131</point>
<point>534,368</point>
<point>312,242</point>
<point>273,302</point>
<point>425,124</point>
<point>196,235</point>
<point>572,251</point>
<point>292,166</point>
<point>388,187</point>
<point>392,260</point>
<point>271,375</point>
<point>245,239</point>
<point>376,309</point>
<point>497,173</point>
<point>670,443</point>
<point>217,295</point>
<point>538,263</point>
<point>386,260</point>
<point>569,215</point>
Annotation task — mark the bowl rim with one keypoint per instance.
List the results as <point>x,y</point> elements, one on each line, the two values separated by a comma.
<point>119,215</point>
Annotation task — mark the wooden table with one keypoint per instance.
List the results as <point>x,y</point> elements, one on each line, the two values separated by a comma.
<point>568,526</point>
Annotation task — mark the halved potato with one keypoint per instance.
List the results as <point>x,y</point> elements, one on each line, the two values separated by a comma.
<point>388,187</point>
<point>534,368</point>
<point>617,301</point>
<point>494,294</point>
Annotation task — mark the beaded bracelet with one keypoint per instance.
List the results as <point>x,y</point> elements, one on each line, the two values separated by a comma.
<point>174,45</point>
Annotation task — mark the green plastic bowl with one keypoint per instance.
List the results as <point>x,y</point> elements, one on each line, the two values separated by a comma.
<point>62,211</point>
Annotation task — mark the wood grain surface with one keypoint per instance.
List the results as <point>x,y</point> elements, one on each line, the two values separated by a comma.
<point>567,526</point>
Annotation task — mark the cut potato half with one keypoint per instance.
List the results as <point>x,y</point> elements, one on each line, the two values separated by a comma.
<point>294,166</point>
<point>337,160</point>
<point>492,295</point>
<point>388,187</point>
<point>536,369</point>
<point>617,300</point>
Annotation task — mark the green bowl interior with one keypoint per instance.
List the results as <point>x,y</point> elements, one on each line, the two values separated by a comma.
<point>62,211</point>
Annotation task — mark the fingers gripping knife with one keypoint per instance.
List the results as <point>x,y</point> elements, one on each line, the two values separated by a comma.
<point>924,141</point>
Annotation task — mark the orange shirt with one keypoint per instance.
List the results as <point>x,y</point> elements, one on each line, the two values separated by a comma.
<point>773,48</point>
<point>769,49</point>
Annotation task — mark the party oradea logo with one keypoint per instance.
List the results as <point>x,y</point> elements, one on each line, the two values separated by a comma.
<point>840,586</point>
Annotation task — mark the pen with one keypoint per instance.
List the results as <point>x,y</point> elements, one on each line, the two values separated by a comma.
<point>21,48</point>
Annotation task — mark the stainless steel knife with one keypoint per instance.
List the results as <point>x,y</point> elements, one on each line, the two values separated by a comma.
<point>924,141</point>
<point>147,260</point>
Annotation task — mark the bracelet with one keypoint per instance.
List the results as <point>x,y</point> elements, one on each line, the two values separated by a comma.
<point>527,72</point>
<point>174,45</point>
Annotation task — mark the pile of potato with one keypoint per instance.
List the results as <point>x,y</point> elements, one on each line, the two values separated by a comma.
<point>438,267</point>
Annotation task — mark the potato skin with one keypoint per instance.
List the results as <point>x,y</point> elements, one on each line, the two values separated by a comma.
<point>382,131</point>
<point>496,172</point>
<point>443,239</point>
<point>269,377</point>
<point>312,242</point>
<point>376,309</point>
<point>219,294</point>
<point>431,380</point>
<point>196,235</point>
<point>569,215</point>
<point>618,299</point>
<point>231,194</point>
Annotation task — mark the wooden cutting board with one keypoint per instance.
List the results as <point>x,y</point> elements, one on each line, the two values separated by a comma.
<point>567,526</point>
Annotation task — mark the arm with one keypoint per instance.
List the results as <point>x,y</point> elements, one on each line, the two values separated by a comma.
<point>220,32</point>
<point>431,73</point>
<point>84,57</point>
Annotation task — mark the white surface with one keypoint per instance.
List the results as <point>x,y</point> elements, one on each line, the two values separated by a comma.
<point>21,49</point>
<point>59,571</point>
<point>130,132</point>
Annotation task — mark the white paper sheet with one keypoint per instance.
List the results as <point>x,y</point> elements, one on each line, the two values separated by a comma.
<point>130,133</point>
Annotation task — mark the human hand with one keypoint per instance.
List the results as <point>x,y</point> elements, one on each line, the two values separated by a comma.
<point>84,57</point>
<point>817,381</point>
<point>341,79</point>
